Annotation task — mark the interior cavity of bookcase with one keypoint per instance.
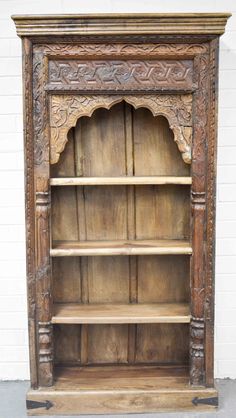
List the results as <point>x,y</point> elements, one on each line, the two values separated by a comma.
<point>114,313</point>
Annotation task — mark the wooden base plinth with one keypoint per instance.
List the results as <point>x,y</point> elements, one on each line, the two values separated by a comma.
<point>120,389</point>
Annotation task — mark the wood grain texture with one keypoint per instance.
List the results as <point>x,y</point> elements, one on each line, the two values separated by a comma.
<point>92,390</point>
<point>92,181</point>
<point>127,377</point>
<point>120,313</point>
<point>67,344</point>
<point>123,402</point>
<point>163,278</point>
<point>112,24</point>
<point>163,343</point>
<point>137,247</point>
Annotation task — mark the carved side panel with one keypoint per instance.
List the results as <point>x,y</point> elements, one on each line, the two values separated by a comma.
<point>67,109</point>
<point>29,206</point>
<point>198,269</point>
<point>120,75</point>
<point>211,196</point>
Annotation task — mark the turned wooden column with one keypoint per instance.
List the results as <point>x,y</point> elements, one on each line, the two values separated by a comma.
<point>43,284</point>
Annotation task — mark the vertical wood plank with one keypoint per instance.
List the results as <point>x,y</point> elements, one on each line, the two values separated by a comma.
<point>78,160</point>
<point>155,152</point>
<point>82,233</point>
<point>67,344</point>
<point>84,344</point>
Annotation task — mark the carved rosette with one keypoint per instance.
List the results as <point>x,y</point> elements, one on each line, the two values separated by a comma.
<point>67,109</point>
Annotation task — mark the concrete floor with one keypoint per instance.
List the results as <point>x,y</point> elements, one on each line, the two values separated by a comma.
<point>12,403</point>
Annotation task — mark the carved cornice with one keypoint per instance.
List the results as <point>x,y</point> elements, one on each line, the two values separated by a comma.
<point>114,24</point>
<point>67,109</point>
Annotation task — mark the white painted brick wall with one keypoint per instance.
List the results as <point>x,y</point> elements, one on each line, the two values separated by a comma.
<point>13,317</point>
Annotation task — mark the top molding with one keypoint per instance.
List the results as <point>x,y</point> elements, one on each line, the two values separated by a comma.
<point>121,24</point>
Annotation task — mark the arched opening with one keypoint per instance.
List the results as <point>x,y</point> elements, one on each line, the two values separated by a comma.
<point>127,141</point>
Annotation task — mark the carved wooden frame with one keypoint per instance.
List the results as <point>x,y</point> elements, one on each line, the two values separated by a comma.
<point>37,140</point>
<point>65,110</point>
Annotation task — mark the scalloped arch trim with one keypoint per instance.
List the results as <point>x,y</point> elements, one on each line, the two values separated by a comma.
<point>67,109</point>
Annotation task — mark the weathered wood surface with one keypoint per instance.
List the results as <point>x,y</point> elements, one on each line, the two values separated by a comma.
<point>120,314</point>
<point>122,24</point>
<point>92,181</point>
<point>141,247</point>
<point>132,139</point>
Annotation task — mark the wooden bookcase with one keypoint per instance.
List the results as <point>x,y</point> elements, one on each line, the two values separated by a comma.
<point>120,124</point>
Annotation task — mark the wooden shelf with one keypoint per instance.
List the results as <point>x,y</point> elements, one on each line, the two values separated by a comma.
<point>141,247</point>
<point>74,313</point>
<point>92,181</point>
<point>128,377</point>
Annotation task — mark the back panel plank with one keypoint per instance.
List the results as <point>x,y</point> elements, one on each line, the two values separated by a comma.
<point>162,343</point>
<point>163,279</point>
<point>155,152</point>
<point>100,143</point>
<point>162,212</point>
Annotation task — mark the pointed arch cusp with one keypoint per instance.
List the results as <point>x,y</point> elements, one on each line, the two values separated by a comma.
<point>67,109</point>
